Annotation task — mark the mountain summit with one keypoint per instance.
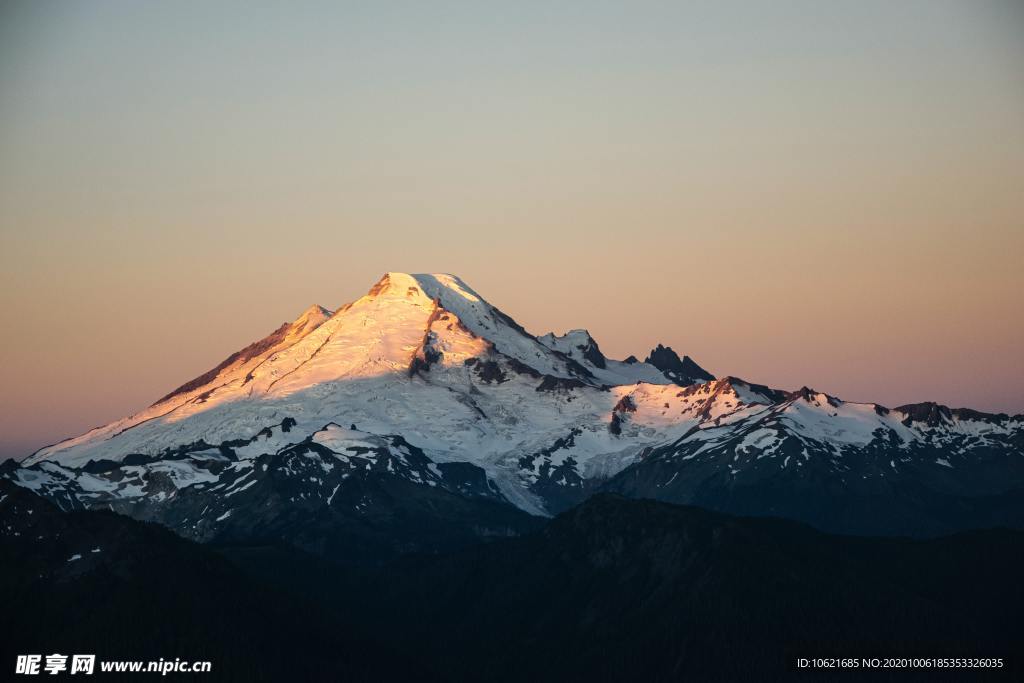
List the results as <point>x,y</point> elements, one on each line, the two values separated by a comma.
<point>422,401</point>
<point>683,371</point>
<point>392,337</point>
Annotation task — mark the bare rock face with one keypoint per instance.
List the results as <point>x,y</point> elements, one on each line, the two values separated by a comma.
<point>681,371</point>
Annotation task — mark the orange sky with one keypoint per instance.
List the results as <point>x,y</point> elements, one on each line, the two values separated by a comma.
<point>809,195</point>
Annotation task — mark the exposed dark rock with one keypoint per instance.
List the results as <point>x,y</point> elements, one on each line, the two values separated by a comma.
<point>101,466</point>
<point>380,286</point>
<point>558,484</point>
<point>418,364</point>
<point>591,352</point>
<point>934,414</point>
<point>615,426</point>
<point>681,371</point>
<point>425,358</point>
<point>176,453</point>
<point>575,368</point>
<point>774,395</point>
<point>931,414</point>
<point>559,384</point>
<point>626,404</point>
<point>507,319</point>
<point>968,414</point>
<point>808,394</point>
<point>521,368</point>
<point>469,479</point>
<point>489,371</point>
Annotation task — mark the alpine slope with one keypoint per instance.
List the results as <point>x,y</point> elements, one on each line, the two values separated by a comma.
<point>421,416</point>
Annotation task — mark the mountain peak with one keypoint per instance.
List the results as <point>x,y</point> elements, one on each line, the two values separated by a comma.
<point>447,290</point>
<point>395,283</point>
<point>540,422</point>
<point>577,344</point>
<point>933,414</point>
<point>315,309</point>
<point>311,318</point>
<point>813,396</point>
<point>680,370</point>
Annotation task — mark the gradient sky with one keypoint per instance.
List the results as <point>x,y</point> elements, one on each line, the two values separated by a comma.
<point>829,194</point>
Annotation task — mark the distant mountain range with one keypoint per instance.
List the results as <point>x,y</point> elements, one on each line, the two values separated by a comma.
<point>422,418</point>
<point>613,590</point>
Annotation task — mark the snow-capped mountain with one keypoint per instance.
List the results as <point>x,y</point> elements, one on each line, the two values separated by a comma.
<point>420,400</point>
<point>860,468</point>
